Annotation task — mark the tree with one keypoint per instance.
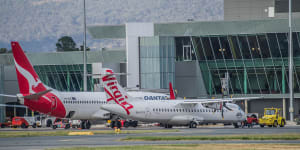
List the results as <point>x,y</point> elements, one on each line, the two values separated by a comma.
<point>66,43</point>
<point>3,50</point>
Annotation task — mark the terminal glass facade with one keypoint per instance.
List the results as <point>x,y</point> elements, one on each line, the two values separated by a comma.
<point>65,77</point>
<point>157,61</point>
<point>256,63</point>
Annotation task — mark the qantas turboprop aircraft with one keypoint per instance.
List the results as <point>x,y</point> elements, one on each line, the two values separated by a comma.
<point>75,105</point>
<point>168,113</point>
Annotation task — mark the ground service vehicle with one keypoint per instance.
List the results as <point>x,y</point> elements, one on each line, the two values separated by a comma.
<point>252,120</point>
<point>61,123</point>
<point>23,122</point>
<point>124,123</point>
<point>272,118</point>
<point>7,123</point>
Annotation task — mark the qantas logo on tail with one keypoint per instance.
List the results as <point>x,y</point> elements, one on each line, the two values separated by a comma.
<point>29,81</point>
<point>34,83</point>
<point>113,91</point>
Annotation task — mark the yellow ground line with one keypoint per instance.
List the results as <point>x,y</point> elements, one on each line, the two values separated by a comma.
<point>81,133</point>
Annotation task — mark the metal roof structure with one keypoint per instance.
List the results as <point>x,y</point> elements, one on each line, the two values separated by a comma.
<point>66,58</point>
<point>200,28</point>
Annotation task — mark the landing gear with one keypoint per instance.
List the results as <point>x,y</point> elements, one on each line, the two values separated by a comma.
<point>235,125</point>
<point>49,123</point>
<point>168,126</point>
<point>85,124</point>
<point>193,124</point>
<point>131,123</point>
<point>112,124</point>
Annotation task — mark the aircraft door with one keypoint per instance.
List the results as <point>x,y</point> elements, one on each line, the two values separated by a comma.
<point>147,113</point>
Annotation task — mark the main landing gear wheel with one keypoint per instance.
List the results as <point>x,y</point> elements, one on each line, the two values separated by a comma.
<point>168,126</point>
<point>235,125</point>
<point>282,123</point>
<point>86,124</point>
<point>193,124</point>
<point>275,124</point>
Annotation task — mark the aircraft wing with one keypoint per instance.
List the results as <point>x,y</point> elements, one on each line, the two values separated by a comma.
<point>194,102</point>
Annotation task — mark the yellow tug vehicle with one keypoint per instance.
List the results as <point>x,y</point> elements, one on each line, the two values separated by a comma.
<point>272,118</point>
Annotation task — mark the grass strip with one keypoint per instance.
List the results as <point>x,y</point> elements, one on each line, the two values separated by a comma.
<point>5,134</point>
<point>221,137</point>
<point>192,147</point>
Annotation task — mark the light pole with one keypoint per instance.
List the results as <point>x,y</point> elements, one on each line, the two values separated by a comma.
<point>291,63</point>
<point>84,50</point>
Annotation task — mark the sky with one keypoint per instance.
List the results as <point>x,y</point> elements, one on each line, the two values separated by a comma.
<point>38,24</point>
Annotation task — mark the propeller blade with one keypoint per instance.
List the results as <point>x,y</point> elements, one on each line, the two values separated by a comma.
<point>222,113</point>
<point>5,95</point>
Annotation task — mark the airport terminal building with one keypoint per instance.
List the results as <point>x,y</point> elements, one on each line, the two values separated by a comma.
<point>250,45</point>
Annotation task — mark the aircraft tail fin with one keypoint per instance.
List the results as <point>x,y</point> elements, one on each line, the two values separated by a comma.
<point>28,80</point>
<point>111,86</point>
<point>172,94</point>
<point>114,92</point>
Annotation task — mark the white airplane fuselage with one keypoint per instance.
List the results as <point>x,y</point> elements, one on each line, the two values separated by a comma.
<point>86,105</point>
<point>172,112</point>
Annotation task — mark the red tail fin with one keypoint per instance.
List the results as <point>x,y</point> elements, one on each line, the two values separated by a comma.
<point>28,80</point>
<point>172,95</point>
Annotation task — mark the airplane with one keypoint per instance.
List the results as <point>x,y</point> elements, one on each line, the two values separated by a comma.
<point>74,105</point>
<point>169,113</point>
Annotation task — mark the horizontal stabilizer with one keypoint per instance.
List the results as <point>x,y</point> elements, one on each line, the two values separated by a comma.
<point>36,95</point>
<point>5,105</point>
<point>5,95</point>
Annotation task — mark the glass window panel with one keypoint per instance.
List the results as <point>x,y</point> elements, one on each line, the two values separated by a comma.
<point>199,49</point>
<point>216,47</point>
<point>235,49</point>
<point>207,48</point>
<point>254,48</point>
<point>242,41</point>
<point>283,44</point>
<point>225,47</point>
<point>296,45</point>
<point>263,46</point>
<point>273,45</point>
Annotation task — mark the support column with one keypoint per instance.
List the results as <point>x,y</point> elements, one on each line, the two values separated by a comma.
<point>283,91</point>
<point>68,81</point>
<point>15,111</point>
<point>246,106</point>
<point>245,81</point>
<point>92,84</point>
<point>26,111</point>
<point>245,90</point>
<point>210,84</point>
<point>283,107</point>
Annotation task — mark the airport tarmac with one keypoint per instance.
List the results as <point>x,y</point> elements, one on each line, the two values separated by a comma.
<point>38,143</point>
